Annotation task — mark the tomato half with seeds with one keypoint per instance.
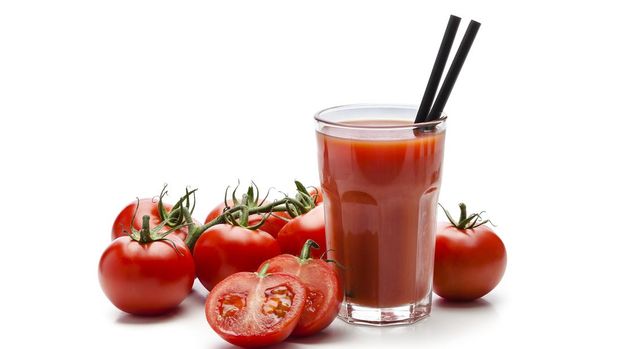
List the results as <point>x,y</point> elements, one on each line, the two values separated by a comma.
<point>125,220</point>
<point>255,309</point>
<point>323,291</point>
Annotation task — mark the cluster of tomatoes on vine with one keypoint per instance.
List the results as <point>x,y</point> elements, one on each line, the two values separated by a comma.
<point>264,263</point>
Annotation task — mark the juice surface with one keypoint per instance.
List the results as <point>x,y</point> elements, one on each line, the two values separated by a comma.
<point>380,204</point>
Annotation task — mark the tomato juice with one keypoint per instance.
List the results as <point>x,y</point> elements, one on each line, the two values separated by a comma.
<point>381,176</point>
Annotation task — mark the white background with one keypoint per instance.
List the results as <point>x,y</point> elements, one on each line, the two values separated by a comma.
<point>103,101</point>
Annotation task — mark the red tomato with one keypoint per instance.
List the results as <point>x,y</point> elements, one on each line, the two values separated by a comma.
<point>223,250</point>
<point>123,222</point>
<point>309,226</point>
<point>469,263</point>
<point>146,278</point>
<point>272,225</point>
<point>317,193</point>
<point>323,291</point>
<point>254,309</point>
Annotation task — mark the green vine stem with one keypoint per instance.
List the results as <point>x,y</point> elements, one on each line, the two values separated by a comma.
<point>147,235</point>
<point>145,231</point>
<point>466,222</point>
<point>304,255</point>
<point>239,214</point>
<point>304,197</point>
<point>233,213</point>
<point>174,217</point>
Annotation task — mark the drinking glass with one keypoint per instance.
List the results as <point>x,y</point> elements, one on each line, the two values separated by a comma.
<point>381,173</point>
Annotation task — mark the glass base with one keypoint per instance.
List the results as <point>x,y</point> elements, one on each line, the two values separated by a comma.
<point>404,315</point>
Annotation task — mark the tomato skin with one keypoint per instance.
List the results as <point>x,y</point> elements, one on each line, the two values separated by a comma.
<point>146,279</point>
<point>217,210</point>
<point>323,290</point>
<point>315,191</point>
<point>224,249</point>
<point>246,323</point>
<point>123,223</point>
<point>295,233</point>
<point>469,263</point>
<point>272,225</point>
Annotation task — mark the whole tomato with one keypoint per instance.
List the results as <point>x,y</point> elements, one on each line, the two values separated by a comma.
<point>145,273</point>
<point>255,309</point>
<point>323,290</point>
<point>125,221</point>
<point>224,249</point>
<point>308,226</point>
<point>470,259</point>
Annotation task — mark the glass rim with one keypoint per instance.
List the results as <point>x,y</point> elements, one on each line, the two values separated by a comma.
<point>318,117</point>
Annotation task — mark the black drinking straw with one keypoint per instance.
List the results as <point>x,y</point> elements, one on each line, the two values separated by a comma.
<point>440,64</point>
<point>453,72</point>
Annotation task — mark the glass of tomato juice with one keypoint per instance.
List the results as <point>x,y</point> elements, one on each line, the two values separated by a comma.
<point>380,173</point>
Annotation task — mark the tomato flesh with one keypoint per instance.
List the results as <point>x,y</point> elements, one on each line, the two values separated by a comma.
<point>248,310</point>
<point>323,290</point>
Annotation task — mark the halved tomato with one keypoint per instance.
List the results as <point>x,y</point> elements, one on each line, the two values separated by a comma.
<point>255,309</point>
<point>323,291</point>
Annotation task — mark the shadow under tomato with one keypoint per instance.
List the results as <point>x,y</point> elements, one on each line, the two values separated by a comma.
<point>131,319</point>
<point>225,345</point>
<point>475,304</point>
<point>193,300</point>
<point>458,318</point>
<point>448,321</point>
<point>329,335</point>
<point>332,334</point>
